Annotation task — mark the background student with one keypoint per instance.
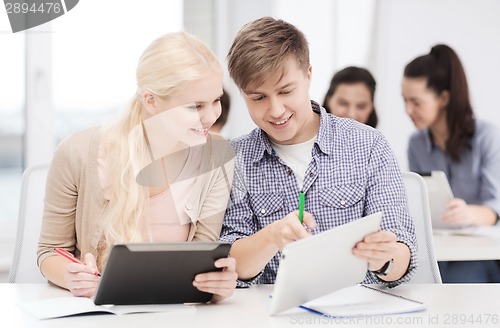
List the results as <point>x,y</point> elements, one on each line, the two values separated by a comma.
<point>346,169</point>
<point>351,94</point>
<point>92,198</point>
<point>225,104</point>
<point>452,140</point>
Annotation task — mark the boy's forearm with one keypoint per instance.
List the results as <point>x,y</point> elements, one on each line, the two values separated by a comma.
<point>252,253</point>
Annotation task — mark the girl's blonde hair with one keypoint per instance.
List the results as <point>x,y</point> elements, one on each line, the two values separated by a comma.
<point>165,67</point>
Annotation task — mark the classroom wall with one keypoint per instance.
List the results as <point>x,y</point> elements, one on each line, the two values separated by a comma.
<point>407,29</point>
<point>383,36</point>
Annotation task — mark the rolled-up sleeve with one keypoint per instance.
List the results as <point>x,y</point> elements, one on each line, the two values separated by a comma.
<point>239,221</point>
<point>489,173</point>
<point>387,194</point>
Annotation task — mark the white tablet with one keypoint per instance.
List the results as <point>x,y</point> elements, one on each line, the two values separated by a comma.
<point>145,273</point>
<point>439,194</point>
<point>320,264</point>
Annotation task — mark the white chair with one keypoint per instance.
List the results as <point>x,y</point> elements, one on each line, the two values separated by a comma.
<point>24,268</point>
<point>418,207</point>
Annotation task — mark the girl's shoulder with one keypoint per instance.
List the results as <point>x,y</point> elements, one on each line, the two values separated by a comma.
<point>80,138</point>
<point>220,149</point>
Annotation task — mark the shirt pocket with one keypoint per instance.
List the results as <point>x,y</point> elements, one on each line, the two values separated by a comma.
<point>267,208</point>
<point>344,202</point>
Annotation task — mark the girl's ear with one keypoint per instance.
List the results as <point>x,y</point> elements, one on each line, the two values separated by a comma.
<point>444,98</point>
<point>149,102</point>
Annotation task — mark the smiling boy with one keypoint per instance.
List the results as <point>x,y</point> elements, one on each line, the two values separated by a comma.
<point>346,170</point>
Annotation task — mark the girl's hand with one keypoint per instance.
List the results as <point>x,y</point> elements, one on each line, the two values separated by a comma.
<point>82,279</point>
<point>219,283</point>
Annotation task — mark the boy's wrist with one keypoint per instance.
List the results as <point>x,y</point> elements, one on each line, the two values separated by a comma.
<point>269,236</point>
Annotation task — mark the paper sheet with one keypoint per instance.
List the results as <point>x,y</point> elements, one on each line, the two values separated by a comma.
<point>71,305</point>
<point>362,300</point>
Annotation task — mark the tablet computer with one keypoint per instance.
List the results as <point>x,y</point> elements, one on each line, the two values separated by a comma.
<point>440,193</point>
<point>320,264</point>
<point>163,273</point>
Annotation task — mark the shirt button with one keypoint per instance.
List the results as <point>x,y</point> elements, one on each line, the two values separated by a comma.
<point>311,174</point>
<point>262,211</point>
<point>342,202</point>
<point>188,206</point>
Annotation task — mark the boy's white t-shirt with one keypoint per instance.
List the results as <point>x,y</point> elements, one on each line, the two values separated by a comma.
<point>297,157</point>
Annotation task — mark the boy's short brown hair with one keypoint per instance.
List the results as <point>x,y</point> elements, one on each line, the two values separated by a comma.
<point>262,47</point>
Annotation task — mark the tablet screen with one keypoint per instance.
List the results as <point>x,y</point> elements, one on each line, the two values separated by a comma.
<point>440,194</point>
<point>162,273</point>
<point>320,264</point>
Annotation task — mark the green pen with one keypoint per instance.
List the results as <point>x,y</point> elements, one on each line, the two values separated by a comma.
<point>302,201</point>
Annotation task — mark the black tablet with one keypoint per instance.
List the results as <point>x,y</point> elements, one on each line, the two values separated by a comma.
<point>163,273</point>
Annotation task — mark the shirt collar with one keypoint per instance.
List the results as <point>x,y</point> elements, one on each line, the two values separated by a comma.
<point>263,146</point>
<point>323,138</point>
<point>429,144</point>
<point>326,129</point>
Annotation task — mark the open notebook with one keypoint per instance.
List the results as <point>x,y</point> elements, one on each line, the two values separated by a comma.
<point>70,305</point>
<point>362,300</point>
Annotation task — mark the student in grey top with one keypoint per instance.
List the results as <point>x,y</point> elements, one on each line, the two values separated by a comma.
<point>452,140</point>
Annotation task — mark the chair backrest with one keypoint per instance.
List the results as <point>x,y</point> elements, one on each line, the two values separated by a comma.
<point>418,207</point>
<point>24,267</point>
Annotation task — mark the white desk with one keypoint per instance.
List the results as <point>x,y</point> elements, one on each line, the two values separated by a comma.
<point>485,246</point>
<point>249,308</point>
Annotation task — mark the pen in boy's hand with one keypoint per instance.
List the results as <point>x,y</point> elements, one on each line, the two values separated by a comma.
<point>64,253</point>
<point>302,200</point>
